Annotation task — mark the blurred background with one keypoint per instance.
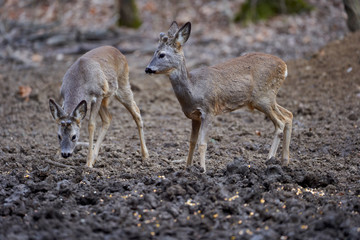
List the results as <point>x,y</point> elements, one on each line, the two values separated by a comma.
<point>31,31</point>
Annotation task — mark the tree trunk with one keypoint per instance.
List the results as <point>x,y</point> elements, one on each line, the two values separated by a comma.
<point>352,8</point>
<point>129,15</point>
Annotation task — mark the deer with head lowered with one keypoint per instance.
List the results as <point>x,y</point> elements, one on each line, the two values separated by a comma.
<point>90,83</point>
<point>251,80</point>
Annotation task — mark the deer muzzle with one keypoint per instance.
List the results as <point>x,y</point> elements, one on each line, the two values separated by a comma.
<point>65,154</point>
<point>149,70</point>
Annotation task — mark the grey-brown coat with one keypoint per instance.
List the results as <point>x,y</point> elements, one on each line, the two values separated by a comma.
<point>251,80</point>
<point>90,84</point>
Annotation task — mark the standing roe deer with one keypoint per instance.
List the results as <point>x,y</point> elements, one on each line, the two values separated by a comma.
<point>90,83</point>
<point>252,80</point>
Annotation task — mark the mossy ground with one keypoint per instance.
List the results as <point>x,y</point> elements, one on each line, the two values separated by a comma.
<point>252,11</point>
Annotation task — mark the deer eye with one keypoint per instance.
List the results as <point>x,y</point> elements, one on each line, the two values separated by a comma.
<point>162,55</point>
<point>73,138</point>
<point>59,137</point>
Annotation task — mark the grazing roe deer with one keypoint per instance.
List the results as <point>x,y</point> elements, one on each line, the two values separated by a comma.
<point>90,83</point>
<point>251,80</point>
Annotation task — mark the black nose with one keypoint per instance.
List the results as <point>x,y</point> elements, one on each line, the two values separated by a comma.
<point>149,70</point>
<point>65,155</point>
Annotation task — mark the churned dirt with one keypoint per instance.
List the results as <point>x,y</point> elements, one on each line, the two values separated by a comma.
<point>241,196</point>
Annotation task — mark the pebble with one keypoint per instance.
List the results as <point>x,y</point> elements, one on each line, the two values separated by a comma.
<point>353,117</point>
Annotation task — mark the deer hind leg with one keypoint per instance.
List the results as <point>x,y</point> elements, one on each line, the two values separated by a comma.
<point>278,120</point>
<point>279,128</point>
<point>94,110</point>
<point>106,119</point>
<point>203,135</point>
<point>125,96</point>
<point>287,133</point>
<point>193,141</point>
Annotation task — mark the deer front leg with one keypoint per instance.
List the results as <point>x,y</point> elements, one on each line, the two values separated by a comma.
<point>90,156</point>
<point>205,123</point>
<point>106,119</point>
<point>91,127</point>
<point>193,140</point>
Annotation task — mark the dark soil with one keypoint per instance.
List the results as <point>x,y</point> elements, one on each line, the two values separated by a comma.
<point>241,196</point>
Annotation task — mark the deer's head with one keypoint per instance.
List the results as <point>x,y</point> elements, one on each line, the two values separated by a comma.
<point>69,125</point>
<point>169,55</point>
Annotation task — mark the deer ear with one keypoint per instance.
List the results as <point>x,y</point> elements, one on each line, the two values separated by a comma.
<point>183,34</point>
<point>56,111</point>
<point>79,112</point>
<point>173,29</point>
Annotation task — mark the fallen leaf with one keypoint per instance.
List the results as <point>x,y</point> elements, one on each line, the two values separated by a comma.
<point>92,10</point>
<point>37,58</point>
<point>24,92</point>
<point>150,6</point>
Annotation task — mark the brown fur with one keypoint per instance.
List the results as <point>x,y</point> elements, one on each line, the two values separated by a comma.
<point>96,77</point>
<point>252,80</point>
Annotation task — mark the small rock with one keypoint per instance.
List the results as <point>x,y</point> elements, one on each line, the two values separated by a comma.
<point>251,146</point>
<point>274,170</point>
<point>170,145</point>
<point>165,216</point>
<point>273,161</point>
<point>58,40</point>
<point>257,237</point>
<point>309,134</point>
<point>151,199</point>
<point>88,199</point>
<point>175,190</point>
<point>172,210</point>
<point>353,117</point>
<point>235,168</point>
<point>8,149</point>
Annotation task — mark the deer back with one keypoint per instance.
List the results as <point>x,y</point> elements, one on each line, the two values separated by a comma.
<point>237,82</point>
<point>96,73</point>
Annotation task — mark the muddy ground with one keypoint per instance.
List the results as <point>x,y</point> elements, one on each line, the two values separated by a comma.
<point>241,196</point>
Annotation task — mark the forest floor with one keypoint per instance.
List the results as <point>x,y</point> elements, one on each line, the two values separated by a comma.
<point>241,196</point>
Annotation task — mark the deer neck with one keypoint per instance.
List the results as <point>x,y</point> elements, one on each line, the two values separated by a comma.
<point>70,104</point>
<point>181,84</point>
<point>72,98</point>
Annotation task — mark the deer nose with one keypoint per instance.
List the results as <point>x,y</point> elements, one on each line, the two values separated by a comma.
<point>149,70</point>
<point>65,154</point>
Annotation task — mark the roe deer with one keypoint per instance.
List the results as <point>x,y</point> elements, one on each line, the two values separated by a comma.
<point>251,80</point>
<point>90,84</point>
